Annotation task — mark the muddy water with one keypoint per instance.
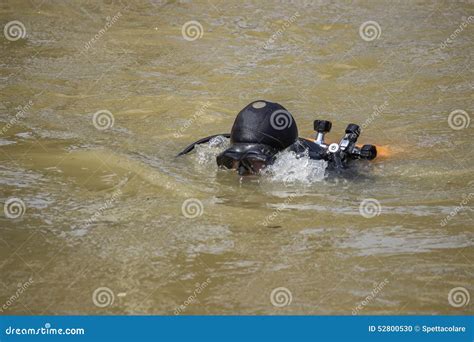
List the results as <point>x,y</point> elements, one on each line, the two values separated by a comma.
<point>103,229</point>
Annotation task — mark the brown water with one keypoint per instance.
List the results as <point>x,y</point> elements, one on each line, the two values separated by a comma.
<point>103,208</point>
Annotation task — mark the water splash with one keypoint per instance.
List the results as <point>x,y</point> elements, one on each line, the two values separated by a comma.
<point>287,168</point>
<point>206,153</point>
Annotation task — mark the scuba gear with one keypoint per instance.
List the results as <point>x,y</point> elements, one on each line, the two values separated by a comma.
<point>247,158</point>
<point>267,123</point>
<point>322,127</point>
<point>339,154</point>
<point>259,132</point>
<point>262,129</point>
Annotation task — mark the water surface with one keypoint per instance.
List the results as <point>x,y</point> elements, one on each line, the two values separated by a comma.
<point>104,207</point>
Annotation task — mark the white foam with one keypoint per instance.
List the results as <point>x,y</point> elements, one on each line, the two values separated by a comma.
<point>289,168</point>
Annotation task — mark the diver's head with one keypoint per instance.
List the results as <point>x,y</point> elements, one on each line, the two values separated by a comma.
<point>260,130</point>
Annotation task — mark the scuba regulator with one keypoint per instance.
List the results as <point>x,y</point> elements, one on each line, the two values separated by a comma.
<point>340,153</point>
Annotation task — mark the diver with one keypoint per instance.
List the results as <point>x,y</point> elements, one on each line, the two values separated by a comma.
<point>263,129</point>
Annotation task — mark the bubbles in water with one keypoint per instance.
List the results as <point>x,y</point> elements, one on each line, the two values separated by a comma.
<point>289,168</point>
